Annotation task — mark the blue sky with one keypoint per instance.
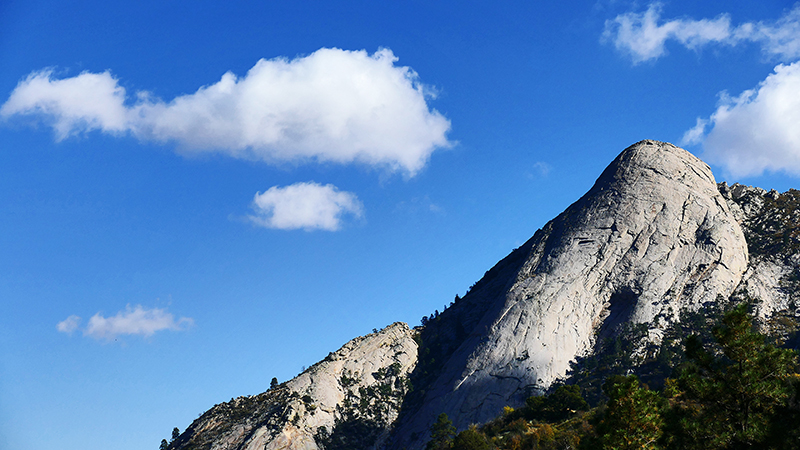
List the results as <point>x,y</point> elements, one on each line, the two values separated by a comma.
<point>198,197</point>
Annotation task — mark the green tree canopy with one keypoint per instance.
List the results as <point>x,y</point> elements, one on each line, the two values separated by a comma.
<point>562,403</point>
<point>734,392</point>
<point>632,419</point>
<point>471,439</point>
<point>442,432</point>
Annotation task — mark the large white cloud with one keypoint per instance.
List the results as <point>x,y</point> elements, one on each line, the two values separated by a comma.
<point>643,38</point>
<point>757,130</point>
<point>332,105</point>
<point>304,205</point>
<point>132,321</point>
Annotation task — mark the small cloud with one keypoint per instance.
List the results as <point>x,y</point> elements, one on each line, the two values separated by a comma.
<point>308,206</point>
<point>757,130</point>
<point>330,106</point>
<point>643,36</point>
<point>131,321</point>
<point>69,325</point>
<point>539,169</point>
<point>542,168</point>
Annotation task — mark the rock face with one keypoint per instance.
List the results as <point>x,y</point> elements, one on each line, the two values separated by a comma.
<point>652,236</point>
<point>348,400</point>
<point>771,223</point>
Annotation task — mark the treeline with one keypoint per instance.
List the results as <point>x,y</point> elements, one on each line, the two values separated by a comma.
<point>732,389</point>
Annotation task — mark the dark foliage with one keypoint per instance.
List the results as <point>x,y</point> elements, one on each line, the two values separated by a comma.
<point>565,401</point>
<point>734,392</point>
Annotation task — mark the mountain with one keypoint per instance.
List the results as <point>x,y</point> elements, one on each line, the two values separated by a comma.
<point>654,237</point>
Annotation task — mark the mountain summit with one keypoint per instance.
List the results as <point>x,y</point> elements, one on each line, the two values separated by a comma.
<point>654,236</point>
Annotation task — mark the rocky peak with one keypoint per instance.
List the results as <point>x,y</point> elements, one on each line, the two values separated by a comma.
<point>652,236</point>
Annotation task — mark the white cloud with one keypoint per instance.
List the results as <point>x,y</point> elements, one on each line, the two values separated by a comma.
<point>132,321</point>
<point>69,325</point>
<point>304,205</point>
<point>758,130</point>
<point>90,101</point>
<point>330,106</point>
<point>643,38</point>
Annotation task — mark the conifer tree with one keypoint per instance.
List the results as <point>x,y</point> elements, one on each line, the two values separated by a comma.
<point>732,393</point>
<point>632,419</point>
<point>442,432</point>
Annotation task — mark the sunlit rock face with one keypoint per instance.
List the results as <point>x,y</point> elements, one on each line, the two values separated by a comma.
<point>771,223</point>
<point>358,387</point>
<point>653,235</point>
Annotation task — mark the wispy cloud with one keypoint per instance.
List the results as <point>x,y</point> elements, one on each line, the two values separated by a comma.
<point>643,35</point>
<point>542,168</point>
<point>757,130</point>
<point>330,106</point>
<point>308,206</point>
<point>132,321</point>
<point>417,205</point>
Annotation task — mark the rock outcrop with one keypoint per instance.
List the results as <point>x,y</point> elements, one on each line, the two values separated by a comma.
<point>348,400</point>
<point>654,235</point>
<point>771,224</point>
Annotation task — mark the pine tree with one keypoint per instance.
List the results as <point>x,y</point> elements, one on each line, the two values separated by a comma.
<point>733,394</point>
<point>632,418</point>
<point>442,432</point>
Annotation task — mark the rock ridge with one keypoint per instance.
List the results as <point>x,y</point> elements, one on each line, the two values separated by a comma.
<point>358,387</point>
<point>771,224</point>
